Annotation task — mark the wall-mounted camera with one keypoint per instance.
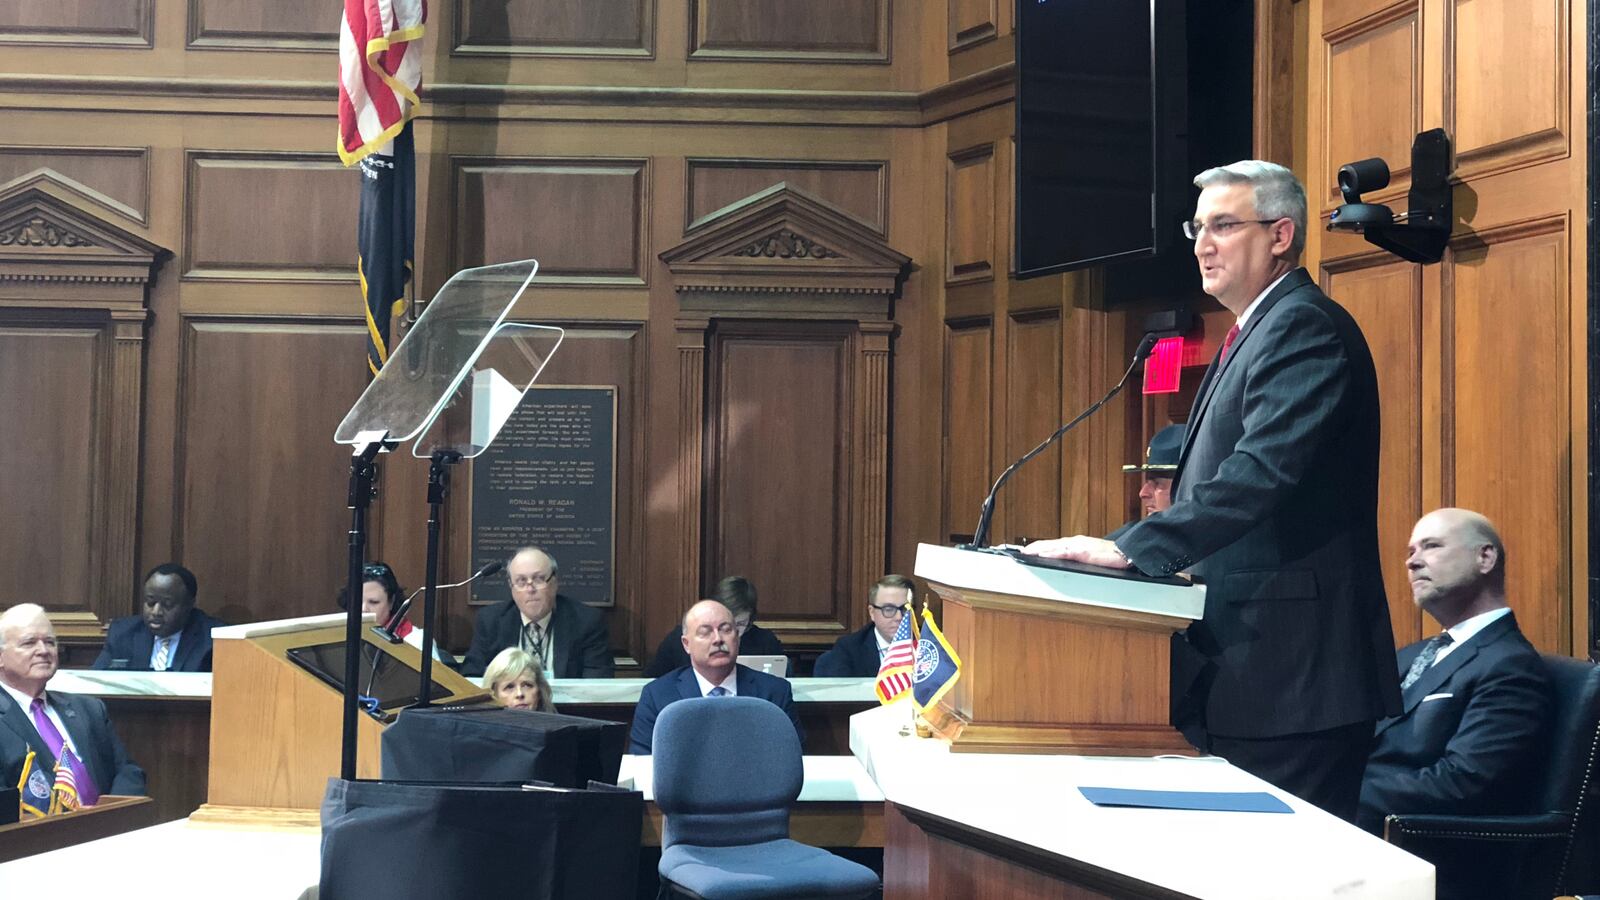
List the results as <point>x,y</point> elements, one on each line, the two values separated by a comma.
<point>1420,233</point>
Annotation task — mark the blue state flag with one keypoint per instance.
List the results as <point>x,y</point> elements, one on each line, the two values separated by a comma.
<point>34,786</point>
<point>937,666</point>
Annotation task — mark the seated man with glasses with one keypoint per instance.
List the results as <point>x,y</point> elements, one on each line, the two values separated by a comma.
<point>857,654</point>
<point>567,638</point>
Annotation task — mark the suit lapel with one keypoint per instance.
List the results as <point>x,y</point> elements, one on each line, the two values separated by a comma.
<point>18,720</point>
<point>80,729</point>
<point>560,629</point>
<point>1440,672</point>
<point>688,685</point>
<point>188,644</point>
<point>1297,278</point>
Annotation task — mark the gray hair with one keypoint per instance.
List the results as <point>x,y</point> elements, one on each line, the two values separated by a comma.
<point>18,615</point>
<point>1278,193</point>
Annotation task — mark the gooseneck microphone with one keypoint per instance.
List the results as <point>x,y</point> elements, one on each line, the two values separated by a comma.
<point>386,630</point>
<point>981,535</point>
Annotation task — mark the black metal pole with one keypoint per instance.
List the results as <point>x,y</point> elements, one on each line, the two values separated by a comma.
<point>438,490</point>
<point>363,483</point>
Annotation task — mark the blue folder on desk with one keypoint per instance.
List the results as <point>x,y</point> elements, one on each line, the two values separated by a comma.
<point>1211,801</point>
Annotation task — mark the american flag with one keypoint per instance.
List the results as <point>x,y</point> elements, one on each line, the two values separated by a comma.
<point>894,673</point>
<point>64,794</point>
<point>380,72</point>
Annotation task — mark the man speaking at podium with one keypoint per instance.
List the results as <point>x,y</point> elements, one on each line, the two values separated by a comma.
<point>1275,509</point>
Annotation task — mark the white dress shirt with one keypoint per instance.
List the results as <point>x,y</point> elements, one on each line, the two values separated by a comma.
<point>172,649</point>
<point>1464,631</point>
<point>729,684</point>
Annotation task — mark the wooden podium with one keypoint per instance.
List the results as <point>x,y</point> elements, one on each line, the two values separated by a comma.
<point>1055,661</point>
<point>275,727</point>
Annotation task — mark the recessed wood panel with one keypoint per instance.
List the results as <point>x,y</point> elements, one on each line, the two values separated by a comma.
<point>1031,506</point>
<point>115,23</point>
<point>252,25</point>
<point>858,188</point>
<point>972,22</point>
<point>1385,297</point>
<point>117,178</point>
<point>239,227</point>
<point>1509,443</point>
<point>777,483</point>
<point>1374,95</point>
<point>48,395</point>
<point>555,27</point>
<point>1510,85</point>
<point>820,30</point>
<point>969,215</point>
<point>583,219</point>
<point>261,516</point>
<point>968,375</point>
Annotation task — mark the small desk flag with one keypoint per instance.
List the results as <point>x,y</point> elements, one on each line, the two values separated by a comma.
<point>894,673</point>
<point>34,786</point>
<point>937,668</point>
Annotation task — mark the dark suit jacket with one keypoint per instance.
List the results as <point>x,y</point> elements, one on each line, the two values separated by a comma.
<point>680,684</point>
<point>579,641</point>
<point>853,656</point>
<point>129,643</point>
<point>1472,749</point>
<point>756,641</point>
<point>90,729</point>
<point>1275,509</point>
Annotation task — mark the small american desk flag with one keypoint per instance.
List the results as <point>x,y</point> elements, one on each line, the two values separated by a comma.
<point>894,673</point>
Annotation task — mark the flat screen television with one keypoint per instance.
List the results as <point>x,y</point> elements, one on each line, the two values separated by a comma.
<point>1101,131</point>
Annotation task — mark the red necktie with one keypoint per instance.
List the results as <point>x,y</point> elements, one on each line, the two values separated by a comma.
<point>1233,333</point>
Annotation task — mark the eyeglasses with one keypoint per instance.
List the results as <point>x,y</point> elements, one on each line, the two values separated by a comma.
<point>1192,229</point>
<point>888,611</point>
<point>376,569</point>
<point>527,581</point>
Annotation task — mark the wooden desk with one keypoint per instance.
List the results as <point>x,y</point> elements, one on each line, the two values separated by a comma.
<point>112,815</point>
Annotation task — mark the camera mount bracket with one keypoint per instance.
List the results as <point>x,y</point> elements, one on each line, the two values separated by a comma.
<point>1421,233</point>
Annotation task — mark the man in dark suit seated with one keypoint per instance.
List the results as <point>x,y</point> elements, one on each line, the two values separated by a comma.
<point>45,722</point>
<point>567,638</point>
<point>712,644</point>
<point>857,654</point>
<point>1476,702</point>
<point>169,634</point>
<point>737,594</point>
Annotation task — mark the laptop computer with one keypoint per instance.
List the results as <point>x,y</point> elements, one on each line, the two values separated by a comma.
<point>776,664</point>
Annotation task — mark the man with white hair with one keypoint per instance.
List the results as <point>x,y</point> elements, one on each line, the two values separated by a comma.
<point>52,724</point>
<point>1274,507</point>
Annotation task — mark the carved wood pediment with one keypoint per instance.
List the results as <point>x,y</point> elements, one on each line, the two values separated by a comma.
<point>47,233</point>
<point>784,241</point>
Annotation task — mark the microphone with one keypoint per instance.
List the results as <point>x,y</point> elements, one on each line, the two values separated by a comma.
<point>981,535</point>
<point>386,631</point>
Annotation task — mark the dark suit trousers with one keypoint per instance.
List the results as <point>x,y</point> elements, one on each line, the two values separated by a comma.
<point>1322,767</point>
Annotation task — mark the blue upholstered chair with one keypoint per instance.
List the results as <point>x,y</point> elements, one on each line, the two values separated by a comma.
<point>727,770</point>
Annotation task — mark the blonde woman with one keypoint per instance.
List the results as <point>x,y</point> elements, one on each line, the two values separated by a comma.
<point>515,681</point>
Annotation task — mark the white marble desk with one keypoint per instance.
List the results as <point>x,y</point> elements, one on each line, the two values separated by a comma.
<point>828,779</point>
<point>257,864</point>
<point>1033,801</point>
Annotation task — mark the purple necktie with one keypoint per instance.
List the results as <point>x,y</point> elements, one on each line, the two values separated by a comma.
<point>88,793</point>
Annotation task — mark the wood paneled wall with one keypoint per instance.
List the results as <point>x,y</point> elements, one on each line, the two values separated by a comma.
<point>1482,357</point>
<point>594,135</point>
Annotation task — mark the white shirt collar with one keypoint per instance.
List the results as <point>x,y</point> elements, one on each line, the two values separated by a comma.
<point>544,623</point>
<point>23,700</point>
<point>1245,316</point>
<point>1463,631</point>
<point>731,683</point>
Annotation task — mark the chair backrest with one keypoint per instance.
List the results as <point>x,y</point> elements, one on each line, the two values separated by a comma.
<point>726,771</point>
<point>1573,784</point>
